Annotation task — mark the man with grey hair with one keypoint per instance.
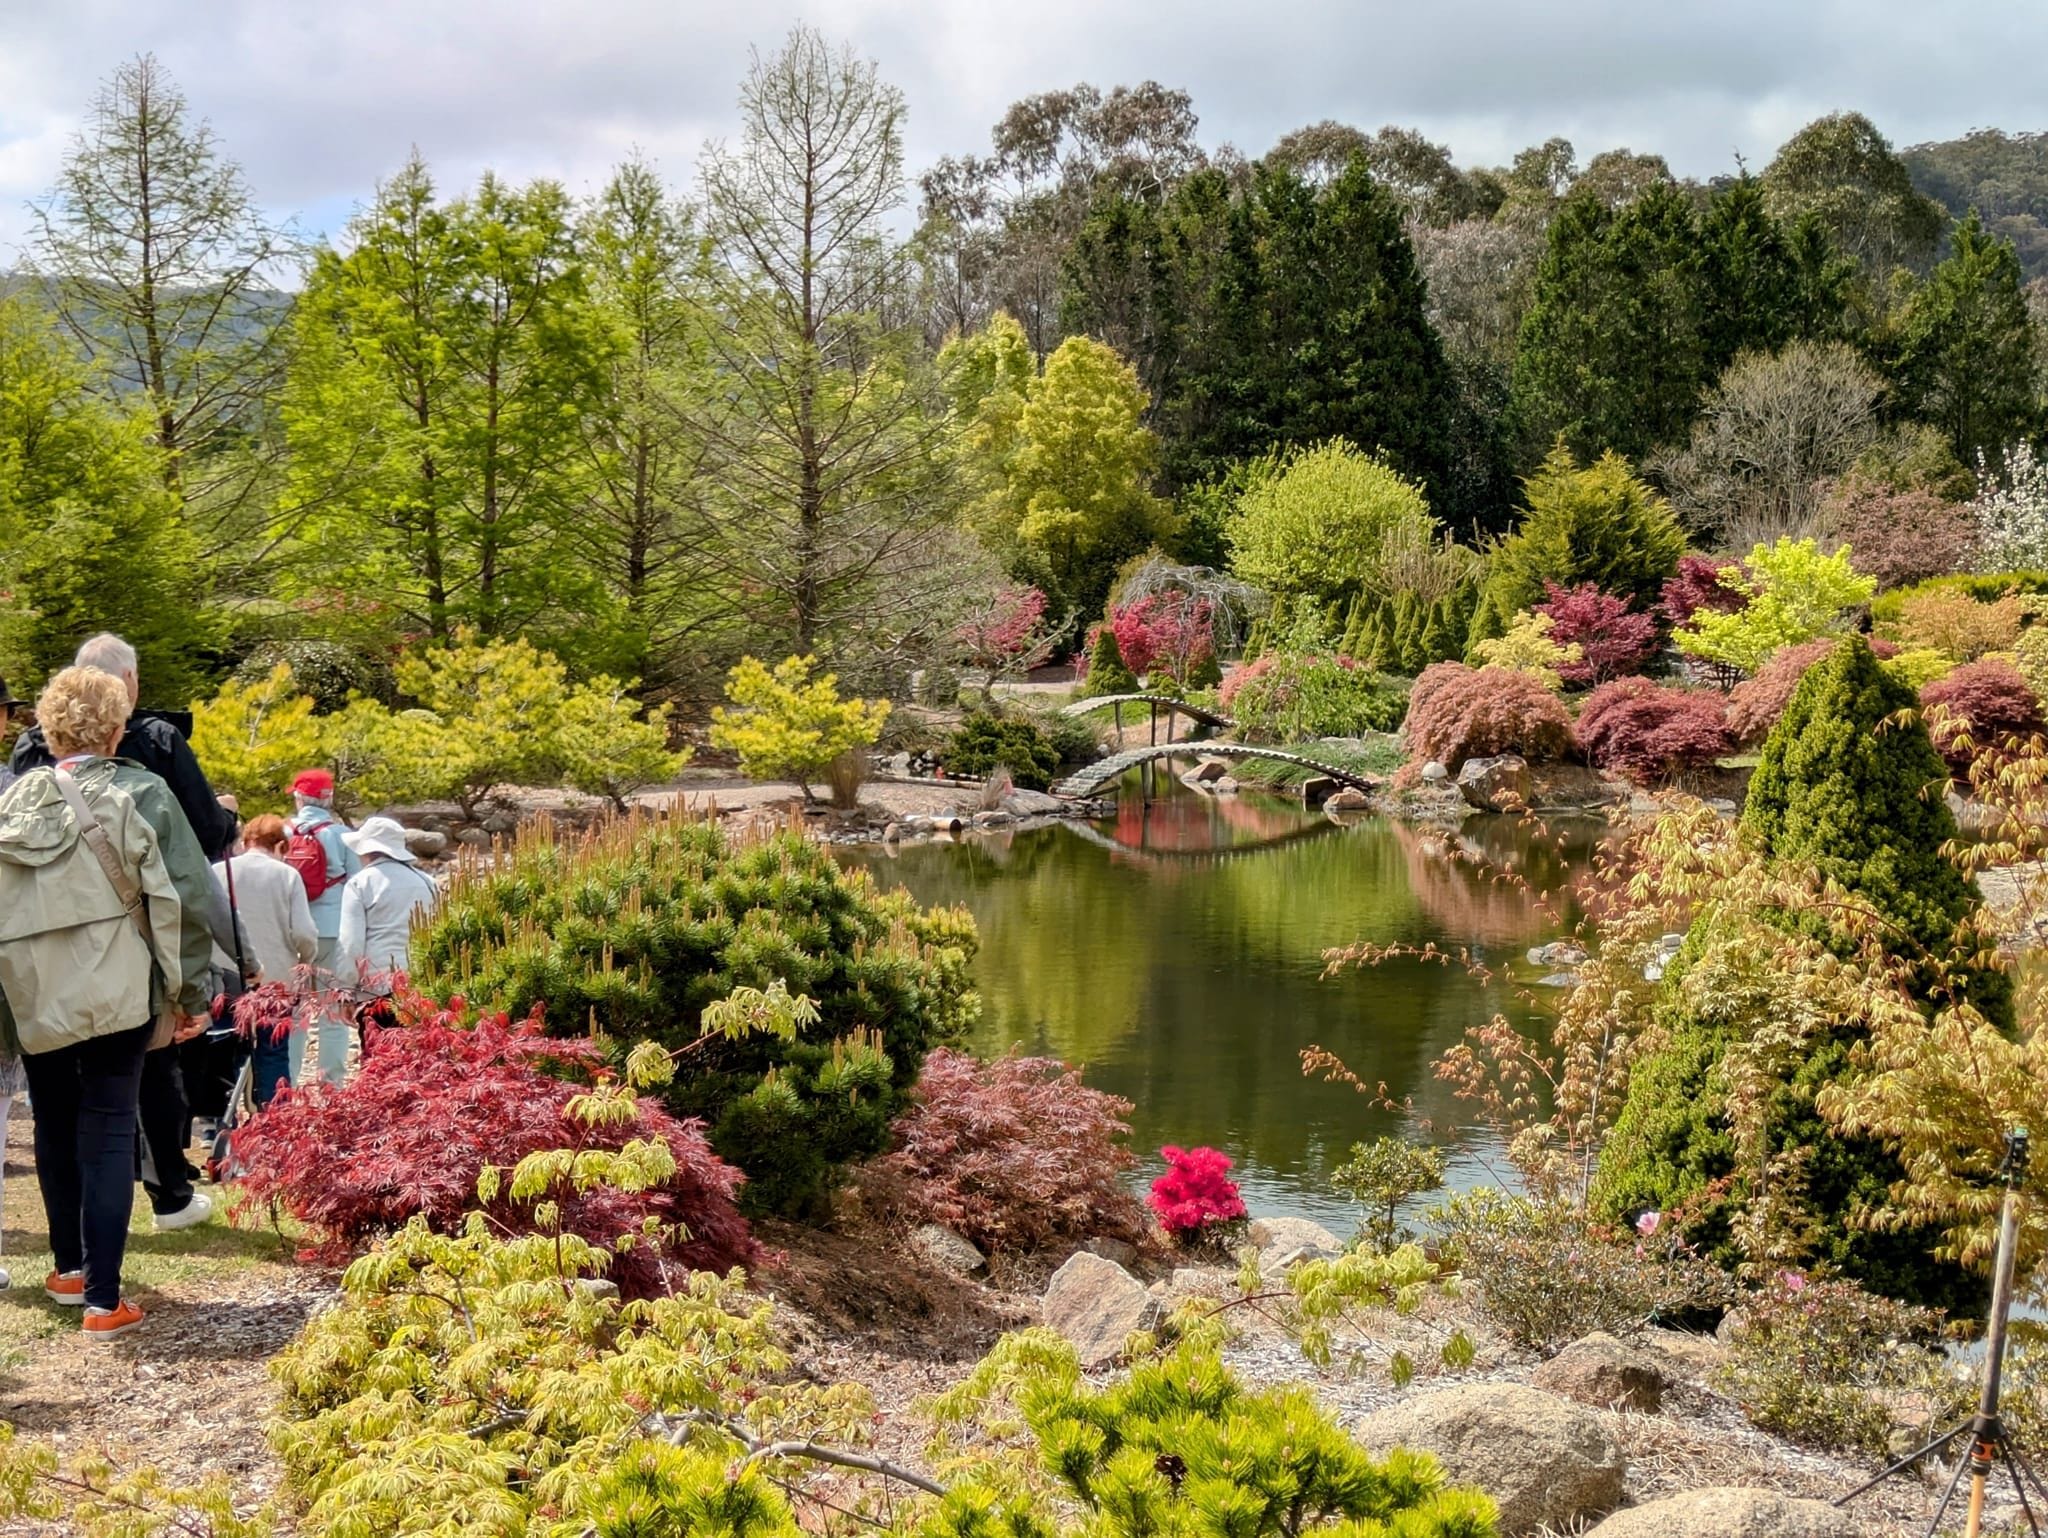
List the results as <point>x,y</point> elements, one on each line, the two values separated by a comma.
<point>150,741</point>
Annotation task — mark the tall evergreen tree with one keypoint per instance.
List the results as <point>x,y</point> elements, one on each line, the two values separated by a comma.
<point>89,537</point>
<point>1615,348</point>
<point>1767,284</point>
<point>1965,351</point>
<point>1317,330</point>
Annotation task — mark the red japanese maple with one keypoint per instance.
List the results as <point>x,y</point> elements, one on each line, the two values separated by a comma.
<point>1170,631</point>
<point>434,1103</point>
<point>1007,633</point>
<point>1698,585</point>
<point>1979,705</point>
<point>1014,1154</point>
<point>1196,1192</point>
<point>1613,639</point>
<point>1651,732</point>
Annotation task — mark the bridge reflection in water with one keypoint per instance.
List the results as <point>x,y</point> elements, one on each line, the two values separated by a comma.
<point>1177,951</point>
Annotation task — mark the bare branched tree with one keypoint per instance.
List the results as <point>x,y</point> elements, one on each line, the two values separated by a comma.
<point>1773,429</point>
<point>828,445</point>
<point>165,270</point>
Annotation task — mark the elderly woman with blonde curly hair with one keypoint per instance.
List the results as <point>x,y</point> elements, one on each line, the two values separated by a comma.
<point>106,933</point>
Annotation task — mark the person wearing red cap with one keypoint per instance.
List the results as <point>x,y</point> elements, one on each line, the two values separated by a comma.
<point>313,793</point>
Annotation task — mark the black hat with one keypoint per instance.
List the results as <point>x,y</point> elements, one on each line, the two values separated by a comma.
<point>7,696</point>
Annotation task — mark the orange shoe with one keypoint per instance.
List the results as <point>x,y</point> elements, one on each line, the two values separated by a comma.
<point>66,1287</point>
<point>106,1323</point>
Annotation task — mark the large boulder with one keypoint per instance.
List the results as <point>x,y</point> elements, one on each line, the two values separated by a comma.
<point>1543,1459</point>
<point>1730,1512</point>
<point>1495,784</point>
<point>1097,1305</point>
<point>1349,799</point>
<point>1032,803</point>
<point>1602,1372</point>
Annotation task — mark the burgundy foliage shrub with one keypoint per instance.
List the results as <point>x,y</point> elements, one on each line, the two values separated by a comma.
<point>1755,704</point>
<point>1456,712</point>
<point>1978,706</point>
<point>1015,1154</point>
<point>434,1103</point>
<point>1897,536</point>
<point>1172,632</point>
<point>1697,586</point>
<point>1651,732</point>
<point>1612,639</point>
<point>1196,1192</point>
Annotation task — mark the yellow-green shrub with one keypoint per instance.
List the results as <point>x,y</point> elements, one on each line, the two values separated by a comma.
<point>787,725</point>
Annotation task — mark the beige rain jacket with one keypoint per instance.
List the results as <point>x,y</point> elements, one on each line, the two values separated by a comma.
<point>72,966</point>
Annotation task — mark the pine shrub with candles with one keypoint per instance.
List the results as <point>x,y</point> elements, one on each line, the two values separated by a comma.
<point>638,930</point>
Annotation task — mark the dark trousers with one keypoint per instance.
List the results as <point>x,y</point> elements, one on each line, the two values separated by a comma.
<point>84,1098</point>
<point>270,1065</point>
<point>166,1131</point>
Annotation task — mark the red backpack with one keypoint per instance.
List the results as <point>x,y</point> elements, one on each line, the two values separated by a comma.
<point>304,853</point>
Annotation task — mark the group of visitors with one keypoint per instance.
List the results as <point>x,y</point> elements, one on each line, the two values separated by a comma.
<point>134,909</point>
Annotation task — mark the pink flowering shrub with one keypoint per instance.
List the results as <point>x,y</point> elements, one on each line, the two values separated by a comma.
<point>1612,638</point>
<point>1196,1193</point>
<point>1007,632</point>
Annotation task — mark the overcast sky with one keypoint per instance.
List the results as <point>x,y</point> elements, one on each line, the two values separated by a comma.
<point>320,101</point>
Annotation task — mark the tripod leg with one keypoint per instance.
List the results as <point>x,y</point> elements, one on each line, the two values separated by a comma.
<point>2027,1469</point>
<point>1902,1465</point>
<point>1954,1484</point>
<point>2020,1487</point>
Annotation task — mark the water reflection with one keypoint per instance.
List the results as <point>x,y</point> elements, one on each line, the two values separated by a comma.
<point>1177,951</point>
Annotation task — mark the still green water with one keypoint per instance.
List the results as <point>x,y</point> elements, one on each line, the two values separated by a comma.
<point>1177,953</point>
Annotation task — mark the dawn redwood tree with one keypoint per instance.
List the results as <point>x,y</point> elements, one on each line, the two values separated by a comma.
<point>644,261</point>
<point>831,487</point>
<point>168,275</point>
<point>444,362</point>
<point>1966,348</point>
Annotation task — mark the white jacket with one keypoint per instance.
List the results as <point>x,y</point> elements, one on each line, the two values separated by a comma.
<point>277,921</point>
<point>377,909</point>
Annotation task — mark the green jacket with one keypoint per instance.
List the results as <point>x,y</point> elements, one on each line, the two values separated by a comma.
<point>72,966</point>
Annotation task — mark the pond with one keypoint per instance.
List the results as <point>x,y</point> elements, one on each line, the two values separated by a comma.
<point>1176,951</point>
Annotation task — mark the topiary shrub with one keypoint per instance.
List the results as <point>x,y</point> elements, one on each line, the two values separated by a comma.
<point>635,931</point>
<point>1844,787</point>
<point>1977,706</point>
<point>433,1104</point>
<point>986,742</point>
<point>1456,712</point>
<point>1015,1154</point>
<point>1650,732</point>
<point>1107,672</point>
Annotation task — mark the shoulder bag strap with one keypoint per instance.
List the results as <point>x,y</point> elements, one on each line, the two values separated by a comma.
<point>102,847</point>
<point>235,919</point>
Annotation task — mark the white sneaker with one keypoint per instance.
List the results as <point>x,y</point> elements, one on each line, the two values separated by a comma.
<point>191,1215</point>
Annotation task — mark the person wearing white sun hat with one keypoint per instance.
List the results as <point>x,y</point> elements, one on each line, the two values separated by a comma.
<point>378,907</point>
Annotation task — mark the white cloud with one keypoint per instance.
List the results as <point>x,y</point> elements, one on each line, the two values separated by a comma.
<point>318,103</point>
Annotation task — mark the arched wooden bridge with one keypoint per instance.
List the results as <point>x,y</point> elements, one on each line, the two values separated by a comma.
<point>1105,772</point>
<point>1158,702</point>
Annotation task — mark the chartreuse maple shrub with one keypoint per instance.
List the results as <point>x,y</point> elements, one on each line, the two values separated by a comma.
<point>635,932</point>
<point>1843,788</point>
<point>1176,1448</point>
